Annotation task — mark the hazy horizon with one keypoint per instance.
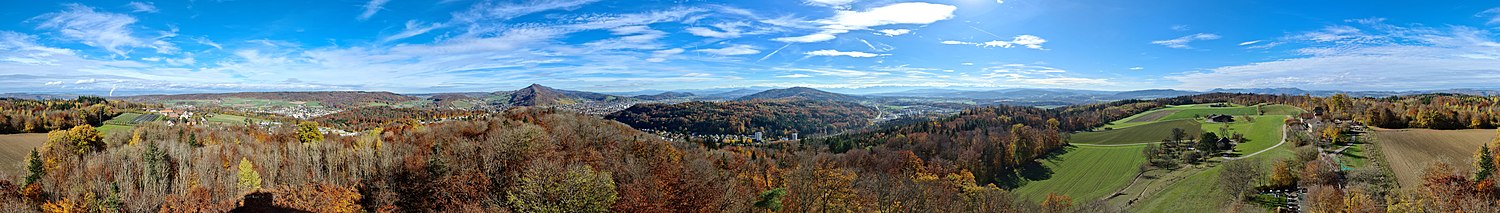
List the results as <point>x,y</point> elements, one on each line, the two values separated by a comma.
<point>408,47</point>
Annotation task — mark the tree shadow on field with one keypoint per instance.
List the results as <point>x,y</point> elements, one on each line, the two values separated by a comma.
<point>1034,170</point>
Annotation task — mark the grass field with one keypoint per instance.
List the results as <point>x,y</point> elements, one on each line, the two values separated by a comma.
<point>15,148</point>
<point>1263,132</point>
<point>1145,133</point>
<point>1086,173</point>
<point>1409,151</point>
<point>1108,169</point>
<point>111,128</point>
<point>1198,190</point>
<point>1194,112</point>
<point>1152,116</point>
<point>227,119</point>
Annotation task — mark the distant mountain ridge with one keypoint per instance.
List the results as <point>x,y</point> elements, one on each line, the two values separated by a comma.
<point>800,92</point>
<point>665,96</point>
<point>329,98</point>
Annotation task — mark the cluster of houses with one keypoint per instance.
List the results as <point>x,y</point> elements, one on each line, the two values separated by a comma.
<point>757,139</point>
<point>170,113</point>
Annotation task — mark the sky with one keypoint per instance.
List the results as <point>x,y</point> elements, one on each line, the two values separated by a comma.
<point>407,46</point>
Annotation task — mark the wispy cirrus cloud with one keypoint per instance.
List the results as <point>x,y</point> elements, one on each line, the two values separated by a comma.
<point>372,7</point>
<point>855,54</point>
<point>1028,41</point>
<point>738,49</point>
<point>1182,42</point>
<point>1371,55</point>
<point>900,13</point>
<point>111,31</point>
<point>142,7</point>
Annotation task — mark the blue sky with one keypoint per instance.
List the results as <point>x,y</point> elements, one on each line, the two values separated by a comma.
<point>410,46</point>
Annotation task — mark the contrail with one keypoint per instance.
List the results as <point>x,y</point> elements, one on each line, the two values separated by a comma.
<point>774,52</point>
<point>985,32</point>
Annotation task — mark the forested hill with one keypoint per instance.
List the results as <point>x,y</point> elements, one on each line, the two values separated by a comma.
<point>800,93</point>
<point>336,99</point>
<point>776,118</point>
<point>538,95</point>
<point>992,142</point>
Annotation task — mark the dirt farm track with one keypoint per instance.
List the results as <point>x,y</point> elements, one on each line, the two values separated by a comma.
<point>1410,151</point>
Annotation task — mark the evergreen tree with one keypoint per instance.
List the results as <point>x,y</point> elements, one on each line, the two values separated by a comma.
<point>1483,163</point>
<point>771,199</point>
<point>34,166</point>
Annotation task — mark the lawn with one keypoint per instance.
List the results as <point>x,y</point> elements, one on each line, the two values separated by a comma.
<point>1410,151</point>
<point>1263,132</point>
<point>1086,173</point>
<point>110,128</point>
<point>1145,133</point>
<point>1354,157</point>
<point>1199,191</point>
<point>1194,112</point>
<point>228,119</point>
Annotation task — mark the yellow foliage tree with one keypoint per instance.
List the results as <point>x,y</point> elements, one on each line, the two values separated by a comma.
<point>1056,203</point>
<point>1281,175</point>
<point>249,178</point>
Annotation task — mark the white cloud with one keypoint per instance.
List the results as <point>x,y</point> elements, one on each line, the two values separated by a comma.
<point>50,83</point>
<point>413,28</point>
<point>630,37</point>
<point>1137,68</point>
<point>372,7</point>
<point>999,1</point>
<point>1181,28</point>
<point>697,74</point>
<point>831,3</point>
<point>1250,42</point>
<point>1063,81</point>
<point>725,30</point>
<point>738,49</point>
<point>1493,14</point>
<point>1182,42</point>
<point>506,10</point>
<point>837,72</point>
<point>205,41</point>
<point>855,54</point>
<point>661,55</point>
<point>1028,41</point>
<point>1344,58</point>
<point>782,76</point>
<point>894,32</point>
<point>818,37</point>
<point>146,7</point>
<point>110,31</point>
<point>86,81</point>
<point>900,13</point>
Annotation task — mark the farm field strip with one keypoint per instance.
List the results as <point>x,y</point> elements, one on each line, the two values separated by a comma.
<point>16,148</point>
<point>1410,151</point>
<point>1087,173</point>
<point>1152,116</point>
